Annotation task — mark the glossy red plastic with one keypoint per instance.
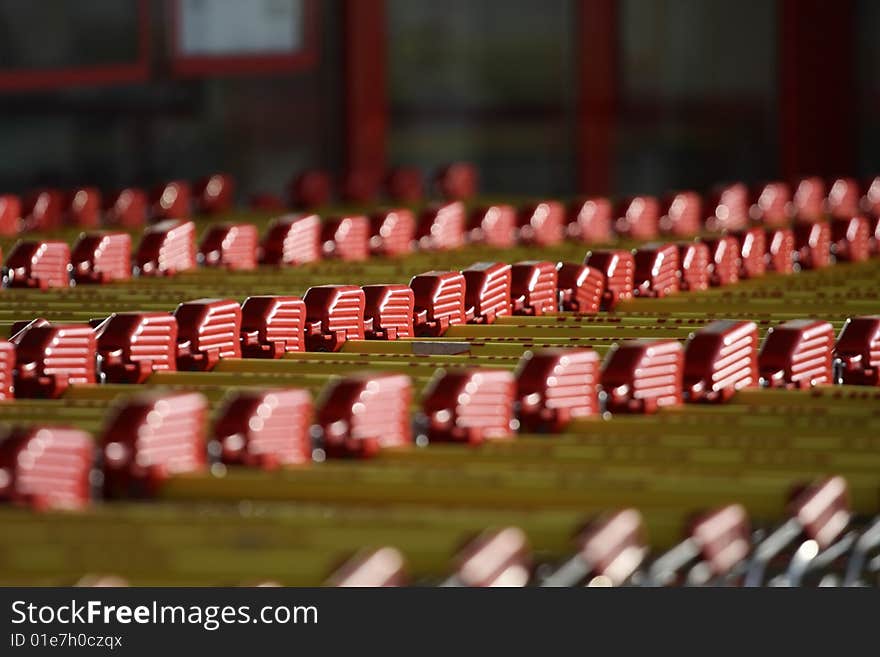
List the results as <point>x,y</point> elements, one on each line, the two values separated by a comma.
<point>50,358</point>
<point>618,266</point>
<point>207,330</point>
<point>272,326</point>
<point>334,314</point>
<point>84,207</point>
<point>581,288</point>
<point>656,270</point>
<point>723,537</point>
<point>405,185</point>
<point>167,248</point>
<point>727,208</point>
<point>469,405</point>
<point>682,215</point>
<point>215,194</point>
<point>613,546</point>
<point>493,225</point>
<point>10,214</point>
<point>823,510</point>
<point>534,287</point>
<point>310,189</point>
<point>150,438</point>
<point>293,239</point>
<point>780,250</point>
<point>874,241</point>
<point>388,312</point>
<point>43,210</point>
<point>38,265</point>
<point>723,261</point>
<point>382,567</point>
<point>772,204</point>
<point>844,197</point>
<point>809,199</point>
<point>265,429</point>
<point>7,369</point>
<point>101,258</point>
<point>495,558</point>
<point>541,224</point>
<point>17,330</point>
<point>638,218</point>
<point>438,302</point>
<point>693,259</point>
<point>131,346</point>
<point>346,238</point>
<point>555,386</point>
<point>797,354</point>
<point>872,198</point>
<point>642,376</point>
<point>590,221</point>
<point>361,414</point>
<point>850,239</point>
<point>392,232</point>
<point>173,200</point>
<point>231,246</point>
<point>441,228</point>
<point>752,252</point>
<point>487,291</point>
<point>812,245</point>
<point>720,359</point>
<point>858,351</point>
<point>46,467</point>
<point>458,181</point>
<point>126,208</point>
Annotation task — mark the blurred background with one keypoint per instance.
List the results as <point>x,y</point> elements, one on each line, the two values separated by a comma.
<point>545,96</point>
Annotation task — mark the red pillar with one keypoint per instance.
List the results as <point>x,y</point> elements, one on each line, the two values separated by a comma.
<point>597,48</point>
<point>817,87</point>
<point>366,94</point>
